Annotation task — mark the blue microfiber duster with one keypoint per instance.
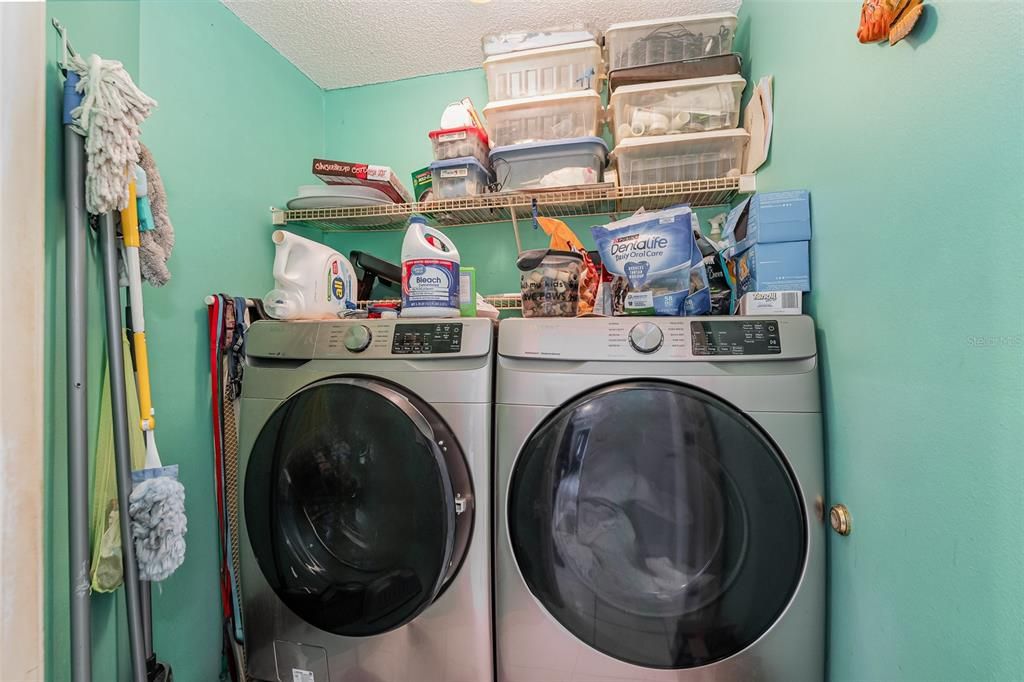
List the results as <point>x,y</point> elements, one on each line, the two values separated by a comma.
<point>157,502</point>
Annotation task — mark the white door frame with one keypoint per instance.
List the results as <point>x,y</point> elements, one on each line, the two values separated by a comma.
<point>22,230</point>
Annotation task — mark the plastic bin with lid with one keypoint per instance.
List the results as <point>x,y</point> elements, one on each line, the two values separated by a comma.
<point>544,71</point>
<point>681,158</point>
<point>550,282</point>
<point>456,178</point>
<point>641,43</point>
<point>555,163</point>
<point>548,117</point>
<point>705,67</point>
<point>455,143</point>
<point>694,105</point>
<point>516,41</point>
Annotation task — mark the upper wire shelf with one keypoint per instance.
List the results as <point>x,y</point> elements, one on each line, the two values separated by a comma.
<point>583,200</point>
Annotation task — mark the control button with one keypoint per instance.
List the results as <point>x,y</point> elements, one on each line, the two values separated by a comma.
<point>357,338</point>
<point>646,337</point>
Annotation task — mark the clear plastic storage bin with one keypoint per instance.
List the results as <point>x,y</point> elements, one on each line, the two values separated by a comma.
<point>544,71</point>
<point>456,143</point>
<point>641,43</point>
<point>555,163</point>
<point>683,106</point>
<point>550,117</point>
<point>550,282</point>
<point>456,178</point>
<point>679,158</point>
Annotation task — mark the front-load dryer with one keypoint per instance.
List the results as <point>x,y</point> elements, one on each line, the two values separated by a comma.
<point>365,476</point>
<point>660,501</point>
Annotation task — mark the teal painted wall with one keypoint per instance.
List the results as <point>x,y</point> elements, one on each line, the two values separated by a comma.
<point>234,132</point>
<point>108,28</point>
<point>915,161</point>
<point>387,124</point>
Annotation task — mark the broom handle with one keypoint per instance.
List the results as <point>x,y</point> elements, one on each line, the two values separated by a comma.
<point>130,232</point>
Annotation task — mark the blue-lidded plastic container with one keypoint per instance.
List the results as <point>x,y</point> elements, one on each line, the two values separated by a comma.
<point>537,164</point>
<point>461,177</point>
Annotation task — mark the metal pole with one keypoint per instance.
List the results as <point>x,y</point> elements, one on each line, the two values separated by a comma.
<point>115,361</point>
<point>78,428</point>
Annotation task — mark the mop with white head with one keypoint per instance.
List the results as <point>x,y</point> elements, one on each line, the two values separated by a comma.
<point>109,116</point>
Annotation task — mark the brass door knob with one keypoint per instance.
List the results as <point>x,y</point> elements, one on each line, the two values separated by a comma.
<point>839,517</point>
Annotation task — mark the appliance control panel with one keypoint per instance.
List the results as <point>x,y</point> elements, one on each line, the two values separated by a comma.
<point>659,339</point>
<point>427,338</point>
<point>735,337</point>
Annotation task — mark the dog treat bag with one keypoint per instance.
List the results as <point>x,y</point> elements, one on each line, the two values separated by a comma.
<point>564,239</point>
<point>655,264</point>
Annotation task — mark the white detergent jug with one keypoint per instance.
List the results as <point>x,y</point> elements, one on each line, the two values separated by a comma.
<point>430,272</point>
<point>313,281</point>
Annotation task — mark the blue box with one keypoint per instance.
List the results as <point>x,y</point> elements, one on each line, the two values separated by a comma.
<point>773,267</point>
<point>768,218</point>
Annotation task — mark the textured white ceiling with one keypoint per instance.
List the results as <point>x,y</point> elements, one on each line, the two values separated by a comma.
<point>342,43</point>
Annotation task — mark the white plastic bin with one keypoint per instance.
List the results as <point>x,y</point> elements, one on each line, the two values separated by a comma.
<point>456,178</point>
<point>455,143</point>
<point>642,43</point>
<point>549,117</point>
<point>517,41</point>
<point>544,71</point>
<point>679,158</point>
<point>555,163</point>
<point>694,105</point>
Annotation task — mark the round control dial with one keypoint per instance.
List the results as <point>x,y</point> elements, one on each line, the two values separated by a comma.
<point>646,337</point>
<point>357,338</point>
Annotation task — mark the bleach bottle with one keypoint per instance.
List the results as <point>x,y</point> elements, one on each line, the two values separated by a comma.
<point>313,281</point>
<point>430,272</point>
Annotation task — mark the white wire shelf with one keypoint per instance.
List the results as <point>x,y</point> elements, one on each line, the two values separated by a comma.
<point>500,301</point>
<point>583,200</point>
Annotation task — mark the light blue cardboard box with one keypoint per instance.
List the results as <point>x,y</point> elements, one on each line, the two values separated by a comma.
<point>783,266</point>
<point>768,218</point>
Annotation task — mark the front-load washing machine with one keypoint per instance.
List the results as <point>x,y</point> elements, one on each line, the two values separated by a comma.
<point>365,476</point>
<point>660,501</point>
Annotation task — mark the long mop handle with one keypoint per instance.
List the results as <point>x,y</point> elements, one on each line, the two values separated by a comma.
<point>122,454</point>
<point>78,428</point>
<point>137,331</point>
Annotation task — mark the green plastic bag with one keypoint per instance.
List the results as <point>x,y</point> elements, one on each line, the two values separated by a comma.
<point>107,572</point>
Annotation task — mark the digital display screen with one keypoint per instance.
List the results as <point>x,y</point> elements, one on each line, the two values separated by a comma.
<point>735,337</point>
<point>433,337</point>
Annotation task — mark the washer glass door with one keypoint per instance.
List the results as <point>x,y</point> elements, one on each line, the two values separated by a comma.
<point>355,505</point>
<point>657,523</point>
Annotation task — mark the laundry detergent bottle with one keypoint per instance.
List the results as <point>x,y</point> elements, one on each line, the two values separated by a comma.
<point>313,281</point>
<point>430,272</point>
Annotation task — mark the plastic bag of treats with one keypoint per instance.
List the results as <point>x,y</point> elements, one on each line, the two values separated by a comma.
<point>655,264</point>
<point>718,284</point>
<point>550,281</point>
<point>564,239</point>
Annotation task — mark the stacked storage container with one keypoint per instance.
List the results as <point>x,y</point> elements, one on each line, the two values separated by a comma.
<point>545,116</point>
<point>461,165</point>
<point>675,99</point>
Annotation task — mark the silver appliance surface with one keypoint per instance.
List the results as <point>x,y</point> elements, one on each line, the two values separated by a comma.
<point>618,559</point>
<point>447,378</point>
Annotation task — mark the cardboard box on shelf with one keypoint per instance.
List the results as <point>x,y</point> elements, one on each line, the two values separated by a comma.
<point>348,173</point>
<point>773,267</point>
<point>771,303</point>
<point>768,218</point>
<point>422,183</point>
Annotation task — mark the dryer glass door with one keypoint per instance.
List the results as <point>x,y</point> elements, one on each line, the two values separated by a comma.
<point>355,505</point>
<point>657,523</point>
